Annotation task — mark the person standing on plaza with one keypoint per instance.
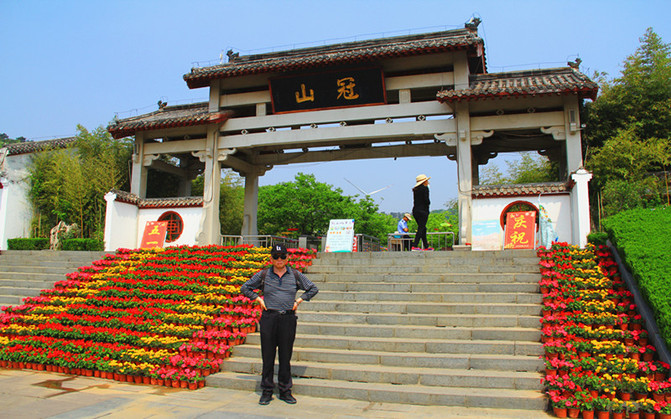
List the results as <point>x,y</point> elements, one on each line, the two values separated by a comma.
<point>402,229</point>
<point>279,285</point>
<point>420,210</point>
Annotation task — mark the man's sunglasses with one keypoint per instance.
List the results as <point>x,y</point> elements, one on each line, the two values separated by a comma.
<point>278,255</point>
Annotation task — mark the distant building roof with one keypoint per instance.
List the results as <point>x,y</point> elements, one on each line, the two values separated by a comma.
<point>489,191</point>
<point>180,202</point>
<point>555,81</point>
<point>167,117</point>
<point>343,54</point>
<point>35,146</point>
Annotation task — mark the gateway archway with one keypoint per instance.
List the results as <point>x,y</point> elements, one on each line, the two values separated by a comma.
<point>415,95</point>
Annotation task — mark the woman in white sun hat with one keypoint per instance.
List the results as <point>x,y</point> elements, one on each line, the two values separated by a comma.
<point>420,209</point>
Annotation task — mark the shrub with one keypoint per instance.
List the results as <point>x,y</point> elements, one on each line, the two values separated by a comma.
<point>597,238</point>
<point>643,239</point>
<point>39,243</point>
<point>83,244</point>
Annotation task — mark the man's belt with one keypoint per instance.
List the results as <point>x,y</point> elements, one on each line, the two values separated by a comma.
<point>281,311</point>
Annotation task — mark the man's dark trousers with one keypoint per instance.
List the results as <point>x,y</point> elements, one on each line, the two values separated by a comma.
<point>278,332</point>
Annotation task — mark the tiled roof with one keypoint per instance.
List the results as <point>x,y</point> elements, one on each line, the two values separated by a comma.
<point>523,83</point>
<point>490,191</point>
<point>189,201</point>
<point>339,54</point>
<point>35,146</point>
<point>167,117</point>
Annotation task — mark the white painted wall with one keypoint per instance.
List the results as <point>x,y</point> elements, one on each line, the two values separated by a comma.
<point>15,210</point>
<point>120,224</point>
<point>487,232</point>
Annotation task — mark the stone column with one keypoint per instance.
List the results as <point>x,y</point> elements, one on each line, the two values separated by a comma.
<point>138,181</point>
<point>209,231</point>
<point>249,220</point>
<point>572,130</point>
<point>580,207</point>
<point>464,172</point>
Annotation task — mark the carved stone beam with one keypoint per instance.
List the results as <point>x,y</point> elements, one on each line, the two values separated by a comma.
<point>478,136</point>
<point>223,154</point>
<point>451,138</point>
<point>149,158</point>
<point>484,158</point>
<point>558,132</point>
<point>202,155</point>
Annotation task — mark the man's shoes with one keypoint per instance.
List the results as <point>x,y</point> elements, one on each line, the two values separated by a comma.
<point>266,397</point>
<point>288,398</point>
<point>415,249</point>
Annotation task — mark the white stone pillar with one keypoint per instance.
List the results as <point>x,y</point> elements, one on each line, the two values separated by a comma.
<point>581,224</point>
<point>572,130</point>
<point>464,172</point>
<point>138,181</point>
<point>209,231</point>
<point>250,220</point>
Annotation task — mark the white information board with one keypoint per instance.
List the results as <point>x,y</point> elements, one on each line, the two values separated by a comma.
<point>340,237</point>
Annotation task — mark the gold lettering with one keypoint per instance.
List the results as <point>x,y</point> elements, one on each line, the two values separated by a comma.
<point>154,231</point>
<point>520,221</point>
<point>518,237</point>
<point>346,88</point>
<point>303,96</point>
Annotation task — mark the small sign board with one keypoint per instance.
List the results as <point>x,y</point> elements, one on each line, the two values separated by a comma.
<point>154,234</point>
<point>340,237</point>
<point>520,230</point>
<point>332,89</point>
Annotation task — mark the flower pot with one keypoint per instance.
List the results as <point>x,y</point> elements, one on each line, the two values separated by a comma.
<point>146,380</point>
<point>588,414</point>
<point>560,412</point>
<point>175,383</point>
<point>639,396</point>
<point>648,415</point>
<point>618,415</point>
<point>664,415</point>
<point>647,357</point>
<point>137,379</point>
<point>601,414</point>
<point>658,397</point>
<point>194,385</point>
<point>550,373</point>
<point>625,396</point>
<point>573,412</point>
<point>183,384</point>
<point>634,415</point>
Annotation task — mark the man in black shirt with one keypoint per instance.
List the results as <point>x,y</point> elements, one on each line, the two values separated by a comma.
<point>279,284</point>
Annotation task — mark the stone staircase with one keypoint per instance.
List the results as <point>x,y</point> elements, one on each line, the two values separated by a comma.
<point>24,273</point>
<point>454,328</point>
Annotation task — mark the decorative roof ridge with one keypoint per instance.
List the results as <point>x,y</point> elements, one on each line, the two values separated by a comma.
<point>521,189</point>
<point>131,198</point>
<point>525,73</point>
<point>164,110</point>
<point>517,185</point>
<point>27,147</point>
<point>347,46</point>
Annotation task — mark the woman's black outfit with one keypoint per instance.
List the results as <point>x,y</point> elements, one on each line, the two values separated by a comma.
<point>420,210</point>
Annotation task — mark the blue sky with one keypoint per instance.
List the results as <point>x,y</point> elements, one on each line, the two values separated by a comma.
<point>81,62</point>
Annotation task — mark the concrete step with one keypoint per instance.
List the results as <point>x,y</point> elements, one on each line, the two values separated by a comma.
<point>27,283</point>
<point>405,345</point>
<point>432,297</point>
<point>419,332</point>
<point>51,255</point>
<point>528,278</point>
<point>461,360</point>
<point>391,393</point>
<point>10,300</point>
<point>428,269</point>
<point>34,276</point>
<point>441,320</point>
<point>19,291</point>
<point>401,308</point>
<point>427,287</point>
<point>37,268</point>
<point>398,375</point>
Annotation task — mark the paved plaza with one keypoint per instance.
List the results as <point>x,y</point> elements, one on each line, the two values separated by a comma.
<point>32,394</point>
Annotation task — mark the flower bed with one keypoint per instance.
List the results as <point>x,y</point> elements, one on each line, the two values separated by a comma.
<point>164,316</point>
<point>597,357</point>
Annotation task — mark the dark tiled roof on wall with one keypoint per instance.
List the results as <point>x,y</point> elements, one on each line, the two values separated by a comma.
<point>182,202</point>
<point>338,54</point>
<point>490,191</point>
<point>35,146</point>
<point>168,117</point>
<point>555,81</point>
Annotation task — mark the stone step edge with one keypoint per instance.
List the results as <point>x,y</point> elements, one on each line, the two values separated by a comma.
<point>397,370</point>
<point>437,316</point>
<point>420,327</point>
<point>443,355</point>
<point>407,394</point>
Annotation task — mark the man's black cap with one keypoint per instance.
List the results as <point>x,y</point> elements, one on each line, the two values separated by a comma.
<point>278,249</point>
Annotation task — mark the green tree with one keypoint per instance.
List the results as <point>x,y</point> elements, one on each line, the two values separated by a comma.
<point>69,184</point>
<point>529,168</point>
<point>627,132</point>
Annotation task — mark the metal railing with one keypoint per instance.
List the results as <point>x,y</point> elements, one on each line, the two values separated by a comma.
<point>265,240</point>
<point>438,240</point>
<point>366,243</point>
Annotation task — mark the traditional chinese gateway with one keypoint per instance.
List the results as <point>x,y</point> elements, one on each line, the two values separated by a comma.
<point>416,95</point>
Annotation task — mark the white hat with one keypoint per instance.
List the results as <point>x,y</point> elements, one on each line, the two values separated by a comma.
<point>420,179</point>
<point>408,216</point>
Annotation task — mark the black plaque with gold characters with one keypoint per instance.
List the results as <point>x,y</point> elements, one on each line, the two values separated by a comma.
<point>333,89</point>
